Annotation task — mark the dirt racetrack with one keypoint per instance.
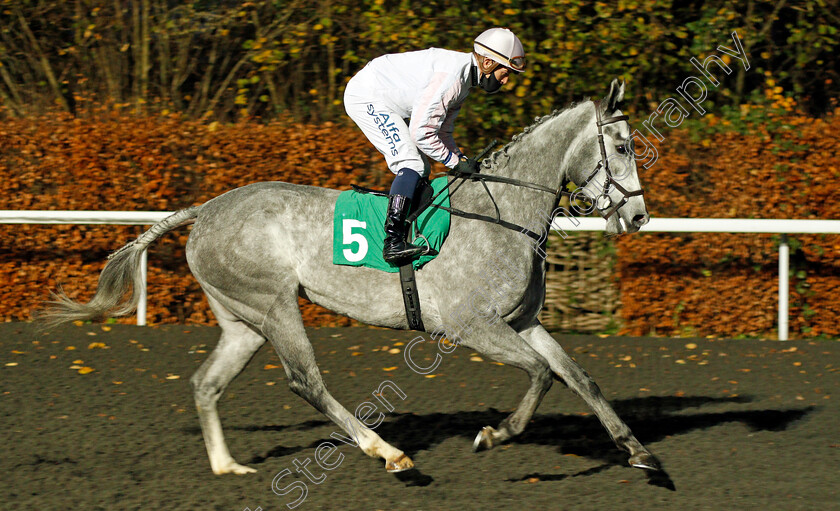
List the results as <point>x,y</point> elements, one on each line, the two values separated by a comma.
<point>737,424</point>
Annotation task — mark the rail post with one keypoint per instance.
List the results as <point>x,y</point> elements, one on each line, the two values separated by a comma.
<point>784,267</point>
<point>141,305</point>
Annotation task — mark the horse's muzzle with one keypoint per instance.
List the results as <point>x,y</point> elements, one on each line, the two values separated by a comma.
<point>640,220</point>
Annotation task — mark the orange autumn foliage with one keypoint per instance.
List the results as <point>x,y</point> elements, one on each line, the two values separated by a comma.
<point>727,284</point>
<point>670,284</point>
<point>118,162</point>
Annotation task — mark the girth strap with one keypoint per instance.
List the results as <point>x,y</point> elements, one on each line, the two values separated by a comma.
<point>411,298</point>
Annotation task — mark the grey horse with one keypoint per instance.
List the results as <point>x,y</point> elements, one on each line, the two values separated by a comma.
<point>256,249</point>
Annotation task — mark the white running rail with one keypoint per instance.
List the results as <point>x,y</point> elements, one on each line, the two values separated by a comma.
<point>94,217</point>
<point>727,225</point>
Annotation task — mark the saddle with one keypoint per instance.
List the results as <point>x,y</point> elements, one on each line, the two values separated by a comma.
<point>422,194</point>
<point>424,206</point>
<point>423,197</point>
<point>426,197</point>
<point>358,233</point>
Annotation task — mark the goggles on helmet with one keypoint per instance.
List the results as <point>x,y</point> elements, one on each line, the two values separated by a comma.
<point>515,63</point>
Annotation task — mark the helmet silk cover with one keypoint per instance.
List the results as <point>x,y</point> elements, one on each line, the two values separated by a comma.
<point>502,47</point>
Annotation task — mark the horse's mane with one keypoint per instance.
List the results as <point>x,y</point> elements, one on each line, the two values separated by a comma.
<point>538,121</point>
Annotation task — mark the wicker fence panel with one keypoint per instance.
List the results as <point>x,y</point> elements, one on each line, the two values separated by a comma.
<point>581,294</point>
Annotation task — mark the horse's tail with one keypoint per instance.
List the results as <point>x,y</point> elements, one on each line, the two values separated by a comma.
<point>121,275</point>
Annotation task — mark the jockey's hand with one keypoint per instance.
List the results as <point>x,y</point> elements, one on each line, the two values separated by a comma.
<point>466,167</point>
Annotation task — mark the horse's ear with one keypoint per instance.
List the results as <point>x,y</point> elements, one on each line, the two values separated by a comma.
<point>615,96</point>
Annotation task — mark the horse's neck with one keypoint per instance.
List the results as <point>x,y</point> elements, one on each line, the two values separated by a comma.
<point>541,155</point>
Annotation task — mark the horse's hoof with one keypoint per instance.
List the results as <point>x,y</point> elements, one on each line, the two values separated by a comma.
<point>645,461</point>
<point>484,439</point>
<point>234,468</point>
<point>401,464</point>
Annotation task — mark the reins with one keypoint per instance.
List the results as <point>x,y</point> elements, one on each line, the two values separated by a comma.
<point>558,193</point>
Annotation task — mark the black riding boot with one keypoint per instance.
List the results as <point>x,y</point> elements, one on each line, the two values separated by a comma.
<point>396,250</point>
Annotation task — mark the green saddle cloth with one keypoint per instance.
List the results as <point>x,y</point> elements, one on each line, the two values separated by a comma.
<point>359,228</point>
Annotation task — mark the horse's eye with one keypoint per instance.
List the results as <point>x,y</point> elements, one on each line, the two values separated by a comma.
<point>621,149</point>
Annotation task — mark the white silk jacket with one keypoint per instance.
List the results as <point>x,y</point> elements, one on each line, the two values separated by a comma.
<point>427,87</point>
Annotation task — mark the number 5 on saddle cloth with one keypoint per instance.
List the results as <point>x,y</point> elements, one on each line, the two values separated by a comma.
<point>359,232</point>
<point>359,226</point>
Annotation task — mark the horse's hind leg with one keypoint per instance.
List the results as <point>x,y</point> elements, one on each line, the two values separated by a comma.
<point>236,347</point>
<point>283,327</point>
<point>583,385</point>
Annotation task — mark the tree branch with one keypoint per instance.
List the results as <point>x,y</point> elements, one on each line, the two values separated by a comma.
<point>45,63</point>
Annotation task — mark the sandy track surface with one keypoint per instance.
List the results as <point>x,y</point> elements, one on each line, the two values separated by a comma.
<point>737,424</point>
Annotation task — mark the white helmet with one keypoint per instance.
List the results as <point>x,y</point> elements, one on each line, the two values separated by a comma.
<point>501,46</point>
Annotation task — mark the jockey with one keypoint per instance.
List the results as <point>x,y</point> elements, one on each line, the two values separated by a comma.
<point>426,89</point>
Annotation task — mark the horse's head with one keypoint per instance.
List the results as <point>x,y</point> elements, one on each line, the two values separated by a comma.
<point>605,169</point>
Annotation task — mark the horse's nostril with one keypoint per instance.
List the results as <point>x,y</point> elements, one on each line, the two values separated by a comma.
<point>640,220</point>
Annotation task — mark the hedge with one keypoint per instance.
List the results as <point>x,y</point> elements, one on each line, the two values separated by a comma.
<point>670,284</point>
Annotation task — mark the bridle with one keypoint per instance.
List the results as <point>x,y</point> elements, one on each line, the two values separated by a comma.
<point>605,162</point>
<point>558,193</point>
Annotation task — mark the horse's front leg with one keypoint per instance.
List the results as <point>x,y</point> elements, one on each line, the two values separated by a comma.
<point>500,342</point>
<point>583,385</point>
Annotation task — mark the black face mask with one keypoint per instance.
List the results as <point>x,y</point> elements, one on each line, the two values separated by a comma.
<point>490,83</point>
